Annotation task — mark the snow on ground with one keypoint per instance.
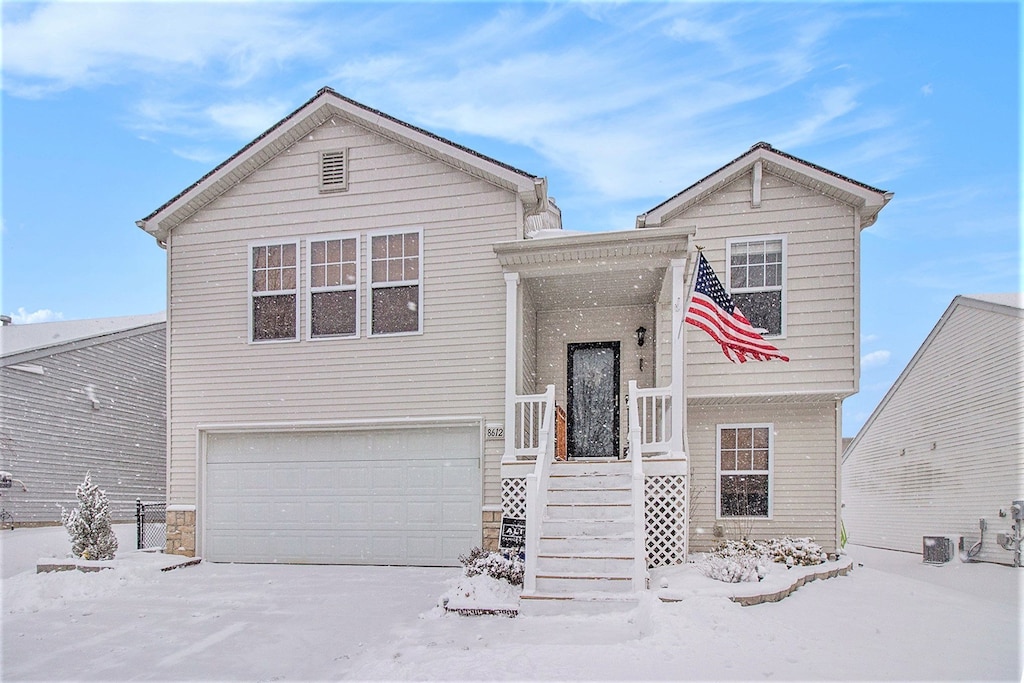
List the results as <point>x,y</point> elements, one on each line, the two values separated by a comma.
<point>892,618</point>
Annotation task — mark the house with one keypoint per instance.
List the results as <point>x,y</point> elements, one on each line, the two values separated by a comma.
<point>943,449</point>
<point>82,396</point>
<point>374,332</point>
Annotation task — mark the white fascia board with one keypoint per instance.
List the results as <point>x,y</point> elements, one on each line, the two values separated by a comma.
<point>871,202</point>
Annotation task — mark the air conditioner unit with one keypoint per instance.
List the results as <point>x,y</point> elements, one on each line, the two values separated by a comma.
<point>940,549</point>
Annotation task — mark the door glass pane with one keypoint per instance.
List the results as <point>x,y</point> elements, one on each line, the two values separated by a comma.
<point>593,403</point>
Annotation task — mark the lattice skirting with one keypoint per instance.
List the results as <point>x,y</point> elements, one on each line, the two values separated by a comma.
<point>513,497</point>
<point>664,513</point>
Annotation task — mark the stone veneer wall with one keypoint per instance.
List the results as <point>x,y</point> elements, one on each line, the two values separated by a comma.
<point>181,532</point>
<point>492,528</point>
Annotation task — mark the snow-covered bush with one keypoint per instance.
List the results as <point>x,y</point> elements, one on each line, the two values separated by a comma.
<point>496,565</point>
<point>734,568</point>
<point>745,560</point>
<point>88,525</point>
<point>795,551</point>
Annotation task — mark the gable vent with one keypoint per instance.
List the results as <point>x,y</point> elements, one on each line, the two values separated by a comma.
<point>334,170</point>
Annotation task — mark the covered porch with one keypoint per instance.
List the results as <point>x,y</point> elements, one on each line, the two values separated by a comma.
<point>595,375</point>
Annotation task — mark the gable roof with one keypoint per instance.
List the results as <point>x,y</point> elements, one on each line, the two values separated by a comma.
<point>1011,304</point>
<point>19,340</point>
<point>832,184</point>
<point>320,108</point>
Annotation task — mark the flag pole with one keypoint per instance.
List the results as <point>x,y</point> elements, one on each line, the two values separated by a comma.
<point>689,289</point>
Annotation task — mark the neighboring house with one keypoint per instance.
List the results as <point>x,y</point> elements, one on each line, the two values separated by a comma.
<point>944,449</point>
<point>371,327</point>
<point>83,396</point>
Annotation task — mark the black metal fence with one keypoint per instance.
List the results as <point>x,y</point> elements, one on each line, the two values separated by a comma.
<point>150,524</point>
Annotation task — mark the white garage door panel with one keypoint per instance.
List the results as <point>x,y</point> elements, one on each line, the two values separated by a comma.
<point>398,496</point>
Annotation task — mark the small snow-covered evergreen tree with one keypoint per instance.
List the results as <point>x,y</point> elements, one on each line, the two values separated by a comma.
<point>88,525</point>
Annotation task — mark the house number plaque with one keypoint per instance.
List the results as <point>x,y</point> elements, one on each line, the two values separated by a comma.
<point>495,431</point>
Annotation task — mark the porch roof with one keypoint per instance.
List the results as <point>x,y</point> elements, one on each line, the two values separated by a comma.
<point>580,270</point>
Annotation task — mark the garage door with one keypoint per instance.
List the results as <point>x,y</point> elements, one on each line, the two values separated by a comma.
<point>399,496</point>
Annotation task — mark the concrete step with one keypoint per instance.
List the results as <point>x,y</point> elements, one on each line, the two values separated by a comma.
<point>589,511</point>
<point>578,583</point>
<point>584,564</point>
<point>541,604</point>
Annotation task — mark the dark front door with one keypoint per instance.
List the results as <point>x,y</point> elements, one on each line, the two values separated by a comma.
<point>593,412</point>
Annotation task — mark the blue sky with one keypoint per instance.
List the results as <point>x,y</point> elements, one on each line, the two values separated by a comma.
<point>109,110</point>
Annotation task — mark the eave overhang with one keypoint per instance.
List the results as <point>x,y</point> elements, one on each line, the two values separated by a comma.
<point>869,200</point>
<point>323,107</point>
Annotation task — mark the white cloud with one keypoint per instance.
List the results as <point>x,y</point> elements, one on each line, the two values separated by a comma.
<point>43,315</point>
<point>58,46</point>
<point>875,359</point>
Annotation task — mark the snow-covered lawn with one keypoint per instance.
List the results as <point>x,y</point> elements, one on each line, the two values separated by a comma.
<point>892,618</point>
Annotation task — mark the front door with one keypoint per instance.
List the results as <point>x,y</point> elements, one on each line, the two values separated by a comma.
<point>593,393</point>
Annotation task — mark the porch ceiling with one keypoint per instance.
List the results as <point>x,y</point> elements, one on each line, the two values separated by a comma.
<point>584,270</point>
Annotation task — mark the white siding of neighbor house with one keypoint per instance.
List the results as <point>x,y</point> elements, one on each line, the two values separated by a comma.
<point>945,448</point>
<point>558,329</point>
<point>52,435</point>
<point>454,368</point>
<point>821,289</point>
<point>804,472</point>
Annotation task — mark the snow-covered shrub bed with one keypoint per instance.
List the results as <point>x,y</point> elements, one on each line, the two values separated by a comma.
<point>496,565</point>
<point>490,582</point>
<point>738,561</point>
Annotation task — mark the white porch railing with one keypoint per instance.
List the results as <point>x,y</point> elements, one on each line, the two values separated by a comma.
<point>653,411</point>
<point>639,526</point>
<point>528,423</point>
<point>543,437</point>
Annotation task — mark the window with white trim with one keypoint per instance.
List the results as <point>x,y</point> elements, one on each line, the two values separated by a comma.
<point>757,282</point>
<point>745,455</point>
<point>333,287</point>
<point>395,295</point>
<point>273,292</point>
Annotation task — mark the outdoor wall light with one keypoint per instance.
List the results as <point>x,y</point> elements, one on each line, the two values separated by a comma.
<point>641,335</point>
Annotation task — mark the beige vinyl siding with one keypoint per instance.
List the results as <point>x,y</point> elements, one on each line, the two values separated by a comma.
<point>558,329</point>
<point>820,293</point>
<point>454,368</point>
<point>52,435</point>
<point>528,333</point>
<point>956,417</point>
<point>804,472</point>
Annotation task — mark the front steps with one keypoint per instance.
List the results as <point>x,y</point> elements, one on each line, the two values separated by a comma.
<point>587,544</point>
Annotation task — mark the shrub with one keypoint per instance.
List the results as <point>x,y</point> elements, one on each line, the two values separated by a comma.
<point>746,560</point>
<point>88,525</point>
<point>496,565</point>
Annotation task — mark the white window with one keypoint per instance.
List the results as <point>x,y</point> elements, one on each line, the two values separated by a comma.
<point>333,287</point>
<point>396,295</point>
<point>273,291</point>
<point>334,170</point>
<point>757,282</point>
<point>745,458</point>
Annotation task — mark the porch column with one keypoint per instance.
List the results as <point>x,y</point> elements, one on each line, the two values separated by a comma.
<point>677,272</point>
<point>511,360</point>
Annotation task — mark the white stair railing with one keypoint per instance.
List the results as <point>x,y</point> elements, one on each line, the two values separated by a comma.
<point>529,423</point>
<point>653,410</point>
<point>639,573</point>
<point>537,481</point>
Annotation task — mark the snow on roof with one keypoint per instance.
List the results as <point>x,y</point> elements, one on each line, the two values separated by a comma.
<point>20,338</point>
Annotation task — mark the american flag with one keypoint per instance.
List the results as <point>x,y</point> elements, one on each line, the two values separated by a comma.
<point>712,310</point>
